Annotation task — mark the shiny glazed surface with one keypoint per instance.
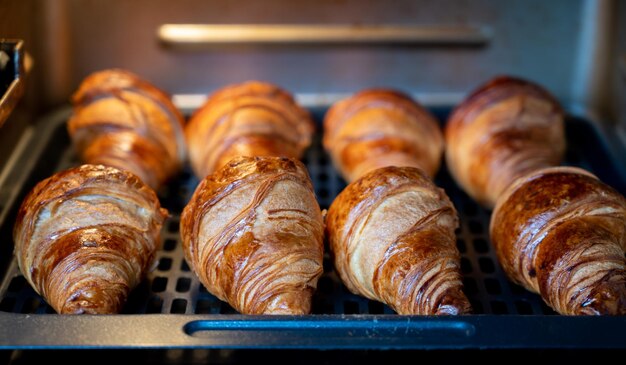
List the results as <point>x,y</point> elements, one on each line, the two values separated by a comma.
<point>378,128</point>
<point>85,237</point>
<point>561,232</point>
<point>392,236</point>
<point>253,233</point>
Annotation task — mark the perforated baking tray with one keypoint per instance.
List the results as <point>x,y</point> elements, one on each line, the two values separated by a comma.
<point>171,309</point>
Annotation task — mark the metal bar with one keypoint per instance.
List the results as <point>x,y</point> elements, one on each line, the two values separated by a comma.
<point>209,34</point>
<point>309,332</point>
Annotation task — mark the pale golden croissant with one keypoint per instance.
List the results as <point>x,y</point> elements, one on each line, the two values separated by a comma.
<point>377,128</point>
<point>85,237</point>
<point>561,232</point>
<point>503,130</point>
<point>122,121</point>
<point>249,119</point>
<point>253,233</point>
<point>392,236</point>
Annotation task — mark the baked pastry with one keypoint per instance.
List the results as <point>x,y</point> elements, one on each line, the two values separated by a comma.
<point>378,127</point>
<point>253,233</point>
<point>503,130</point>
<point>249,119</point>
<point>85,237</point>
<point>392,236</point>
<point>560,232</point>
<point>123,121</point>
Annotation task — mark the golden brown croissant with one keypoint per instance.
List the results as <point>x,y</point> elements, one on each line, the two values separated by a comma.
<point>503,130</point>
<point>561,232</point>
<point>377,128</point>
<point>253,232</point>
<point>249,119</point>
<point>122,121</point>
<point>392,236</point>
<point>85,237</point>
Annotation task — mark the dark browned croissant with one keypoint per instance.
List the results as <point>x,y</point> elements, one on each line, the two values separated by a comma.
<point>85,237</point>
<point>503,130</point>
<point>377,128</point>
<point>392,236</point>
<point>249,119</point>
<point>252,232</point>
<point>122,121</point>
<point>561,232</point>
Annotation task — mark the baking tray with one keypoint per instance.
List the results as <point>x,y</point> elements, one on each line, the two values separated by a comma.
<point>171,309</point>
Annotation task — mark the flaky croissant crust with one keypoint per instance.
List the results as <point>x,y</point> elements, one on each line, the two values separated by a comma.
<point>252,232</point>
<point>561,232</point>
<point>123,121</point>
<point>410,135</point>
<point>505,129</point>
<point>411,264</point>
<point>249,119</point>
<point>86,236</point>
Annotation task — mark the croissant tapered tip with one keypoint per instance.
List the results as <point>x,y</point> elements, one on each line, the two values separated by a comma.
<point>607,299</point>
<point>96,300</point>
<point>453,303</point>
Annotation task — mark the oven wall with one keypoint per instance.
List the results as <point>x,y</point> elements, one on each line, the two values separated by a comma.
<point>535,39</point>
<point>546,41</point>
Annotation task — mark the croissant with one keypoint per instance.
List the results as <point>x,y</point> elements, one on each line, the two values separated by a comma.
<point>560,232</point>
<point>85,237</point>
<point>377,128</point>
<point>253,233</point>
<point>503,130</point>
<point>123,121</point>
<point>249,119</point>
<point>392,236</point>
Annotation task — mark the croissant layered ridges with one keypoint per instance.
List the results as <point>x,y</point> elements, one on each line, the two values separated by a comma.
<point>123,121</point>
<point>505,129</point>
<point>248,119</point>
<point>252,232</point>
<point>381,127</point>
<point>85,237</point>
<point>561,232</point>
<point>392,237</point>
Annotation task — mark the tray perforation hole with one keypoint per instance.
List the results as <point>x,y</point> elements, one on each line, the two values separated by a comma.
<point>17,284</point>
<point>486,265</point>
<point>493,286</point>
<point>470,208</point>
<point>183,285</point>
<point>179,306</point>
<point>169,244</point>
<point>184,266</point>
<point>466,265</point>
<point>480,245</point>
<point>165,264</point>
<point>204,306</point>
<point>159,284</point>
<point>173,226</point>
<point>475,227</point>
